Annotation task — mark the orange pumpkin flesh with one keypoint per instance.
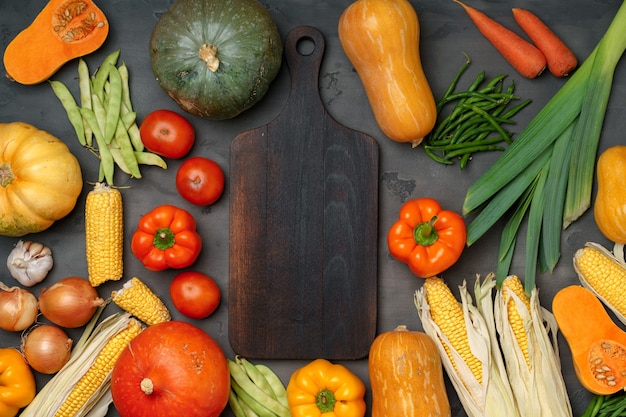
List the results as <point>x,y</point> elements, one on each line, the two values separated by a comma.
<point>171,369</point>
<point>406,376</point>
<point>381,40</point>
<point>597,344</point>
<point>63,30</point>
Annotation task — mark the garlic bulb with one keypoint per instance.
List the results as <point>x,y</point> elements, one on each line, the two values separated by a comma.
<point>29,262</point>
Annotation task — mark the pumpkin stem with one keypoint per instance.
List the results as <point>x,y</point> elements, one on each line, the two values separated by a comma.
<point>208,54</point>
<point>425,233</point>
<point>6,174</point>
<point>147,386</point>
<point>325,401</point>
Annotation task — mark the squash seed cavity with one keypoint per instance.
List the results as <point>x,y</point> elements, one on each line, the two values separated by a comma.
<point>73,21</point>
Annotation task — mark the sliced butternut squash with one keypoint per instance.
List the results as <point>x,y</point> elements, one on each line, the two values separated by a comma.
<point>597,344</point>
<point>63,30</point>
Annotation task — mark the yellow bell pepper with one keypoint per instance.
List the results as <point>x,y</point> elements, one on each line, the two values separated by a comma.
<point>322,388</point>
<point>17,382</point>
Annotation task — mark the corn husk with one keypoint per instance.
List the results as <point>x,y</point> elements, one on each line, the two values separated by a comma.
<point>50,398</point>
<point>493,396</point>
<point>538,386</point>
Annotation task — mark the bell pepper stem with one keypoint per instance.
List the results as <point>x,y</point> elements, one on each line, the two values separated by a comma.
<point>164,238</point>
<point>425,233</point>
<point>325,401</point>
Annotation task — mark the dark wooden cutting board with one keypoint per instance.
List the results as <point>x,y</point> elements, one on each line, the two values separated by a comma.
<point>303,227</point>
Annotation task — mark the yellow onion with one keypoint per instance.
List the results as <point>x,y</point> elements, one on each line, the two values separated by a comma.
<point>46,348</point>
<point>70,302</point>
<point>18,308</point>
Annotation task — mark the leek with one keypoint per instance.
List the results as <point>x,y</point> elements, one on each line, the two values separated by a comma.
<point>575,115</point>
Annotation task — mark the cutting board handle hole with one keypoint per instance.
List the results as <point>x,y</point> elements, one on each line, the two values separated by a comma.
<point>305,46</point>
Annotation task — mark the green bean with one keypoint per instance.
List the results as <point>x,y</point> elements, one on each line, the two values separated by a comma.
<point>99,112</point>
<point>453,84</point>
<point>123,70</point>
<point>114,104</point>
<point>495,124</point>
<point>473,149</point>
<point>133,129</point>
<point>255,376</point>
<point>235,406</point>
<point>246,390</point>
<point>102,74</point>
<point>149,158</point>
<point>128,119</point>
<point>248,400</point>
<point>276,384</point>
<point>107,164</point>
<point>126,148</point>
<point>249,412</point>
<point>117,157</point>
<point>436,157</point>
<point>84,86</point>
<point>452,147</point>
<point>513,111</point>
<point>71,108</point>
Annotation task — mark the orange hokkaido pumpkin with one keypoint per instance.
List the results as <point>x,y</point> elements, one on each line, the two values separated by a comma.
<point>406,376</point>
<point>609,209</point>
<point>63,30</point>
<point>171,369</point>
<point>597,344</point>
<point>381,40</point>
<point>40,179</point>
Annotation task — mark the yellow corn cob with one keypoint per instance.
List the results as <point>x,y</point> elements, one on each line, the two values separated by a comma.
<point>447,313</point>
<point>91,381</point>
<point>604,275</point>
<point>137,299</point>
<point>104,234</point>
<point>513,284</point>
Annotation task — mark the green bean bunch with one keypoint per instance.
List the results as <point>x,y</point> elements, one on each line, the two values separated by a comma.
<point>613,405</point>
<point>475,121</point>
<point>106,114</point>
<point>256,390</point>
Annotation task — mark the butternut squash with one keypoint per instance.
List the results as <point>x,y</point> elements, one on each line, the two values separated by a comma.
<point>381,40</point>
<point>406,376</point>
<point>63,30</point>
<point>609,209</point>
<point>597,344</point>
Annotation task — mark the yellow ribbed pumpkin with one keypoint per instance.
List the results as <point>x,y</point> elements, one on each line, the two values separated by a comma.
<point>609,207</point>
<point>40,179</point>
<point>406,376</point>
<point>381,40</point>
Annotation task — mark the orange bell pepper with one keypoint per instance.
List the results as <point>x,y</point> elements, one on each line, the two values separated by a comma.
<point>322,388</point>
<point>17,382</point>
<point>426,237</point>
<point>165,238</point>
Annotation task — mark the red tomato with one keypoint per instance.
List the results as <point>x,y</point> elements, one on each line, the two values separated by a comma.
<point>200,181</point>
<point>167,133</point>
<point>194,294</point>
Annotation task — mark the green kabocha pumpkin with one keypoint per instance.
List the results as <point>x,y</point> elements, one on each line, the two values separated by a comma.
<point>216,58</point>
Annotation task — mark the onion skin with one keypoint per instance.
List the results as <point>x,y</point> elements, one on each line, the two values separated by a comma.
<point>70,302</point>
<point>46,348</point>
<point>18,308</point>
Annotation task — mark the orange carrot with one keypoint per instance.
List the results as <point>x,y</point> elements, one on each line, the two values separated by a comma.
<point>521,54</point>
<point>561,60</point>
